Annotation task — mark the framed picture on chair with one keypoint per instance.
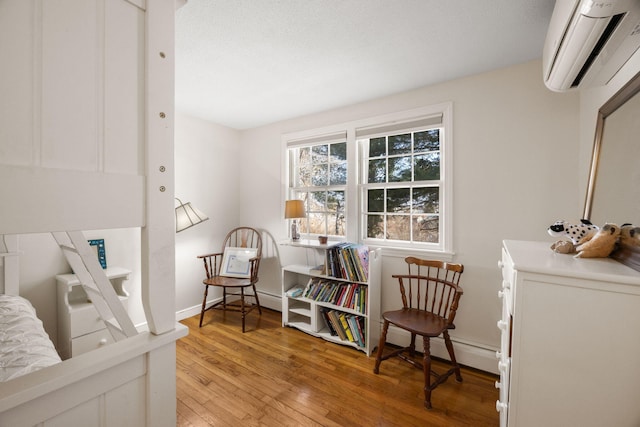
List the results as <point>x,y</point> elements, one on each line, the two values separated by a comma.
<point>235,262</point>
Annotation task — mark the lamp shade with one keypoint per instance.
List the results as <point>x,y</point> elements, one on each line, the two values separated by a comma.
<point>188,216</point>
<point>294,209</point>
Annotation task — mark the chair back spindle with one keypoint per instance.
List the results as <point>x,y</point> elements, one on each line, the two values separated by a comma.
<point>431,286</point>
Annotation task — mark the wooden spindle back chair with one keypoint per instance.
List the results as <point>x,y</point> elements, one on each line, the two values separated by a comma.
<point>430,296</point>
<point>241,237</point>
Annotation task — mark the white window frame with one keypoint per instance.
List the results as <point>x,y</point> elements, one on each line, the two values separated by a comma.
<point>357,169</point>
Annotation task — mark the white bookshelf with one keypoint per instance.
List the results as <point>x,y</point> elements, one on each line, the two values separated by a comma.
<point>306,314</point>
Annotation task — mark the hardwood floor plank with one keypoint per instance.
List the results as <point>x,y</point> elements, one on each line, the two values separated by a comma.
<point>275,376</point>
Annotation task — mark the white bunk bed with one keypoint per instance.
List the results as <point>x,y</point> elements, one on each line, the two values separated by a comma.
<point>86,142</point>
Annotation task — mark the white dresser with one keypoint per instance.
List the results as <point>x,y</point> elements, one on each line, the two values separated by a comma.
<point>80,327</point>
<point>570,348</point>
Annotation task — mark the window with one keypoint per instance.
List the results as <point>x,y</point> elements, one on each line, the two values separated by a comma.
<point>384,181</point>
<point>402,185</point>
<point>318,176</point>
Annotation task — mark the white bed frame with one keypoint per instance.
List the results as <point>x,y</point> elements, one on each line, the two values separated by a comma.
<point>86,136</point>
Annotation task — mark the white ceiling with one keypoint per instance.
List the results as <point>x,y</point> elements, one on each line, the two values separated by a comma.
<point>247,63</point>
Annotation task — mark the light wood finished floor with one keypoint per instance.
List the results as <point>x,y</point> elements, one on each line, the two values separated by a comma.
<point>275,376</point>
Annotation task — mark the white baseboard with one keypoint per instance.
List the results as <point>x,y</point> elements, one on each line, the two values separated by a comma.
<point>468,354</point>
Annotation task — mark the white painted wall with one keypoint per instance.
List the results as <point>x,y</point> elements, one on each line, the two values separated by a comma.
<point>209,165</point>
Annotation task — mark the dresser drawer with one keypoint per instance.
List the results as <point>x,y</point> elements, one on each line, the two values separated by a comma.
<point>90,342</point>
<point>84,320</point>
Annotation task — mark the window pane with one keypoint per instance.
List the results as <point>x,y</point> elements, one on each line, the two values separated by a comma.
<point>304,176</point>
<point>335,201</point>
<point>428,140</point>
<point>375,200</point>
<point>338,173</point>
<point>400,144</point>
<point>375,226</point>
<point>426,200</point>
<point>320,175</point>
<point>320,153</point>
<point>317,223</point>
<point>377,147</point>
<point>317,201</point>
<point>399,200</point>
<point>377,171</point>
<point>400,169</point>
<point>398,227</point>
<point>303,225</point>
<point>335,224</point>
<point>339,151</point>
<point>427,167</point>
<point>425,228</point>
<point>304,156</point>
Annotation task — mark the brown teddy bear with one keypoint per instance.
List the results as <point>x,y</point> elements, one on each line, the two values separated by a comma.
<point>563,247</point>
<point>601,244</point>
<point>630,235</point>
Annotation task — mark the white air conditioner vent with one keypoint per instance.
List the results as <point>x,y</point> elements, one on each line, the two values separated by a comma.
<point>589,41</point>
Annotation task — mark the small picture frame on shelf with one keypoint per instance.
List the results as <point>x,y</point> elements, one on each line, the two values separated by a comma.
<point>98,248</point>
<point>236,262</point>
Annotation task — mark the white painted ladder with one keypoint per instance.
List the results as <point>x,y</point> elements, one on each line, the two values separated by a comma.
<point>95,283</point>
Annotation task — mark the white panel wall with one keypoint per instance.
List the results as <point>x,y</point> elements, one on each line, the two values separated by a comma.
<point>72,88</point>
<point>69,79</point>
<point>70,99</point>
<point>16,115</point>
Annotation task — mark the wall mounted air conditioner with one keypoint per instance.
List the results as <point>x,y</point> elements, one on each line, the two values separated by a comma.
<point>589,41</point>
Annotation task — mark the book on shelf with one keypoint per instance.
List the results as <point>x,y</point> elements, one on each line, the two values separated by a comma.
<point>342,294</point>
<point>337,325</point>
<point>345,325</point>
<point>348,261</point>
<point>356,329</point>
<point>328,322</point>
<point>294,292</point>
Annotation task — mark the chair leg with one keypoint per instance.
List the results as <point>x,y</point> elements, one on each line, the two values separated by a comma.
<point>452,355</point>
<point>255,294</point>
<point>381,343</point>
<point>242,310</point>
<point>427,372</point>
<point>204,304</point>
<point>412,346</point>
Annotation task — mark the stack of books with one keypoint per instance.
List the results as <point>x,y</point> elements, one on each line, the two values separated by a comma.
<point>342,294</point>
<point>348,327</point>
<point>348,261</point>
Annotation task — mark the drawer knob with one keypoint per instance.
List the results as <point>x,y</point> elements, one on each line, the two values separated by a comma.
<point>506,284</point>
<point>498,355</point>
<point>502,366</point>
<point>500,264</point>
<point>502,325</point>
<point>501,406</point>
<point>102,342</point>
<point>500,294</point>
<point>498,385</point>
